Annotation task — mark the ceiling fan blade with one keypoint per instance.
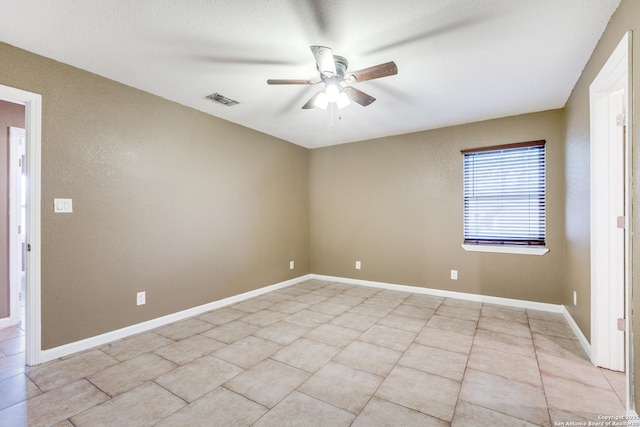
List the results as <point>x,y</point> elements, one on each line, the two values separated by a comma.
<point>324,60</point>
<point>311,103</point>
<point>358,96</point>
<point>375,72</point>
<point>432,32</point>
<point>290,82</point>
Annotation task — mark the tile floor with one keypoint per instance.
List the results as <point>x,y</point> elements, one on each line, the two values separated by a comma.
<point>321,354</point>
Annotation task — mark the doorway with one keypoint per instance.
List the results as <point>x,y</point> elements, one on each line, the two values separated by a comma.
<point>610,208</point>
<point>12,116</point>
<point>32,112</point>
<point>17,214</point>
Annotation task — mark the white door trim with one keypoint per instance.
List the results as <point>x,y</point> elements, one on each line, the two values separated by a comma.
<point>605,305</point>
<point>16,138</point>
<point>33,124</point>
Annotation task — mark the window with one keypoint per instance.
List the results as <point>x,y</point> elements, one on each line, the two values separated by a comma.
<point>504,195</point>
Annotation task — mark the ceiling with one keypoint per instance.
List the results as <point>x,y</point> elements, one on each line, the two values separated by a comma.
<point>459,61</point>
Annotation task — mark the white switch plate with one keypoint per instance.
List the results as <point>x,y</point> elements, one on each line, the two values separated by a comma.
<point>454,274</point>
<point>291,265</point>
<point>62,205</point>
<point>141,298</point>
<point>575,298</point>
<point>358,265</point>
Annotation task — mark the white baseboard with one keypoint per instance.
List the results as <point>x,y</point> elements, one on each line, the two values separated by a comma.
<point>103,339</point>
<point>106,338</point>
<point>5,322</point>
<point>532,305</point>
<point>576,330</point>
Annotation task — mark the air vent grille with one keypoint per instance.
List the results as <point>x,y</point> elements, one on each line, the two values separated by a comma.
<point>221,99</point>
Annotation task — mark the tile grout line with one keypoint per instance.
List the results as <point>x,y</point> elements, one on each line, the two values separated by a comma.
<point>331,360</point>
<point>544,389</point>
<point>396,364</point>
<point>466,367</point>
<point>510,379</point>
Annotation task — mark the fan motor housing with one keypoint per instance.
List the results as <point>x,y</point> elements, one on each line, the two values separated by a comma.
<point>341,65</point>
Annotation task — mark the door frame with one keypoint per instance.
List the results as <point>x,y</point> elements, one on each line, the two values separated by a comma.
<point>616,69</point>
<point>33,126</point>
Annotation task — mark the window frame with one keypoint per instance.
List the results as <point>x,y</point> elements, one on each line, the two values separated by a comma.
<point>535,246</point>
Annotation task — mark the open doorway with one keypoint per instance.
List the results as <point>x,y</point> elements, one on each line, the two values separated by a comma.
<point>12,149</point>
<point>17,220</point>
<point>610,208</point>
<point>12,146</point>
<point>30,107</point>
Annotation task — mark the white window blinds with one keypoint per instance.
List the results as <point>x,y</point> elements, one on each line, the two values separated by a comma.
<point>504,194</point>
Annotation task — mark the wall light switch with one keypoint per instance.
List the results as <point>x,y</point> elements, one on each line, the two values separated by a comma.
<point>62,205</point>
<point>358,265</point>
<point>141,298</point>
<point>454,274</point>
<point>291,265</point>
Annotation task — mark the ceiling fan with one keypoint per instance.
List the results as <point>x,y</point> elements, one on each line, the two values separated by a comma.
<point>332,69</point>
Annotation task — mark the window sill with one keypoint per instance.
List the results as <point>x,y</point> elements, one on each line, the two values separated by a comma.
<point>525,250</point>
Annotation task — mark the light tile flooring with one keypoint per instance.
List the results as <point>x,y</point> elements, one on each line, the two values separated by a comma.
<point>321,354</point>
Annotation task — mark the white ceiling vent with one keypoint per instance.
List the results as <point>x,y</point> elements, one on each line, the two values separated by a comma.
<point>221,99</point>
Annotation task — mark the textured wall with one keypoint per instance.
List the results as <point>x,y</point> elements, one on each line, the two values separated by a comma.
<point>577,148</point>
<point>395,204</point>
<point>167,200</point>
<point>10,115</point>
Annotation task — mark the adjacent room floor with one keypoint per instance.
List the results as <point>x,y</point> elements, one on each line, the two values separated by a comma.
<point>321,354</point>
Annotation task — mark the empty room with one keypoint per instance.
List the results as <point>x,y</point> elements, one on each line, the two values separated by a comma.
<point>319,213</point>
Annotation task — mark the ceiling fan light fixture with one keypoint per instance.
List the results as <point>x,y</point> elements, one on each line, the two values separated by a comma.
<point>332,92</point>
<point>343,100</point>
<point>321,101</point>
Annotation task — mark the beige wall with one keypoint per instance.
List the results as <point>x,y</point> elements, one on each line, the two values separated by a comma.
<point>395,204</point>
<point>577,173</point>
<point>167,200</point>
<point>10,115</point>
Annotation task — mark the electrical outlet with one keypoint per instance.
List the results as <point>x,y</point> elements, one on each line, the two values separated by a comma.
<point>575,298</point>
<point>454,274</point>
<point>291,265</point>
<point>358,265</point>
<point>141,298</point>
